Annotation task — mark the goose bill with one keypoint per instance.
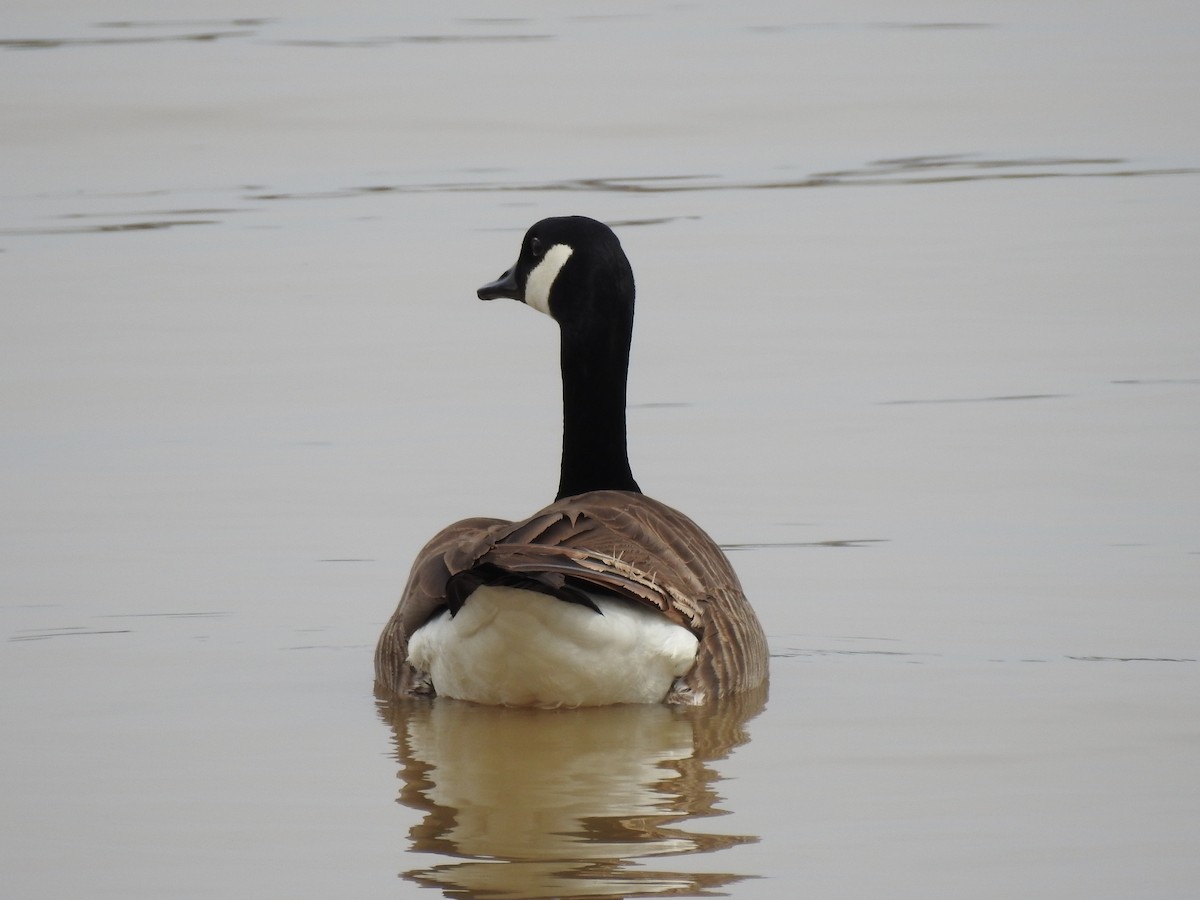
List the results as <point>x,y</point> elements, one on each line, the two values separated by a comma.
<point>503,287</point>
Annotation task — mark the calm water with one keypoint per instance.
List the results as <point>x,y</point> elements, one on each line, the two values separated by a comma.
<point>918,340</point>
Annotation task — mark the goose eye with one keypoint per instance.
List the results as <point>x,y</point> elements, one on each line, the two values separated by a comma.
<point>535,247</point>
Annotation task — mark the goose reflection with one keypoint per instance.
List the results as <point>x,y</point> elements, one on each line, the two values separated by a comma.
<point>560,802</point>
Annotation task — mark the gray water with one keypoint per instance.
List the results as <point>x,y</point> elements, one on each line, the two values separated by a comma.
<point>918,341</point>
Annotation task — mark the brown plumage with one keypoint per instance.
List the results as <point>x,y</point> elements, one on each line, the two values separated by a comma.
<point>610,541</point>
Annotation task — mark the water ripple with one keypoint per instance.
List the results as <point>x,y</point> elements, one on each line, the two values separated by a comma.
<point>392,40</point>
<point>997,399</point>
<point>935,169</point>
<point>776,545</point>
<point>52,43</point>
<point>914,170</point>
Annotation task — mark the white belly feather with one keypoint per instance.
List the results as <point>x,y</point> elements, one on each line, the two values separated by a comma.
<point>513,647</point>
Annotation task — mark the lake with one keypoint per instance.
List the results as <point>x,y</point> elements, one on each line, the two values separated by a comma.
<point>918,342</point>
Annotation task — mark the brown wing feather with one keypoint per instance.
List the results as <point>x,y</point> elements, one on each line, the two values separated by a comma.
<point>450,551</point>
<point>613,541</point>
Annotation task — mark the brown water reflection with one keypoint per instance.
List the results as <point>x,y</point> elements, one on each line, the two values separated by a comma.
<point>559,803</point>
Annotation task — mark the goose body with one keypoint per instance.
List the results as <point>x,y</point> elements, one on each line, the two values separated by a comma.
<point>604,596</point>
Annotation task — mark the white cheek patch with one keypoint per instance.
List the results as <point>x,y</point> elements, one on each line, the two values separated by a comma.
<point>541,279</point>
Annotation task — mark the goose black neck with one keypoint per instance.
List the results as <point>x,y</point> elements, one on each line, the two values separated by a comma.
<point>595,455</point>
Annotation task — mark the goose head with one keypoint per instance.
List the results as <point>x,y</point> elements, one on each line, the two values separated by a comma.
<point>573,269</point>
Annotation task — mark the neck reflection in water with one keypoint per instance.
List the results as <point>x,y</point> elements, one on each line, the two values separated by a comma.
<point>558,803</point>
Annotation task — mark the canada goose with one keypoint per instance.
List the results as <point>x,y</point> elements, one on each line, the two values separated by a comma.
<point>605,596</point>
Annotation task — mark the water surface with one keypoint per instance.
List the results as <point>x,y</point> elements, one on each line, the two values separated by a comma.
<point>917,342</point>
